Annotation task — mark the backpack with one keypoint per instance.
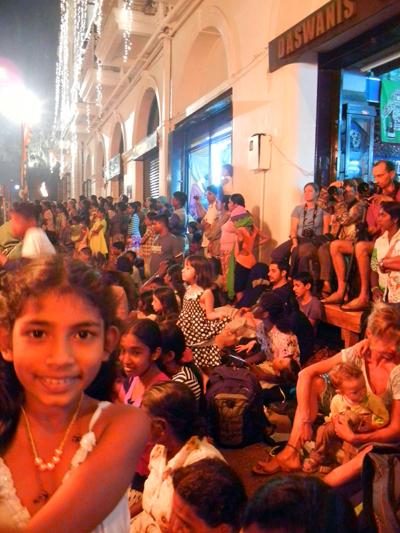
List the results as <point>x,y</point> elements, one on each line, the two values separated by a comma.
<point>381,488</point>
<point>234,407</point>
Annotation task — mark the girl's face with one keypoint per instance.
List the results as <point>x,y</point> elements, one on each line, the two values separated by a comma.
<point>188,273</point>
<point>58,344</point>
<point>135,357</point>
<point>157,306</point>
<point>309,193</point>
<point>385,221</point>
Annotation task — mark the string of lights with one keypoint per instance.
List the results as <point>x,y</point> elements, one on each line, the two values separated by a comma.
<point>88,118</point>
<point>128,17</point>
<point>74,26</point>
<point>80,22</point>
<point>99,88</point>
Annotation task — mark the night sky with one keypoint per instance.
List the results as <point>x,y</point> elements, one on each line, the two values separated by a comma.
<point>28,38</point>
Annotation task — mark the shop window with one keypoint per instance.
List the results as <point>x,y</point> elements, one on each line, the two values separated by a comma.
<point>200,146</point>
<point>355,127</point>
<point>369,122</point>
<point>205,159</point>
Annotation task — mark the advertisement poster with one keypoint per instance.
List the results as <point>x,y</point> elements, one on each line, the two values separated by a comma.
<point>390,111</point>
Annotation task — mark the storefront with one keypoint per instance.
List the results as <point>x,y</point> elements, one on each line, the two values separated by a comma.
<point>358,98</point>
<point>201,145</point>
<point>365,110</point>
<point>115,176</point>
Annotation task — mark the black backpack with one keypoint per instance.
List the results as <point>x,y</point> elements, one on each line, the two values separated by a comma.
<point>381,488</point>
<point>234,407</point>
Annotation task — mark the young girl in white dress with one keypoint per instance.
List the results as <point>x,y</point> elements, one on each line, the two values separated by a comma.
<point>66,459</point>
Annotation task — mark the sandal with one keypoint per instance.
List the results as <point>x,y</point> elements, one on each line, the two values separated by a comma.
<point>273,466</point>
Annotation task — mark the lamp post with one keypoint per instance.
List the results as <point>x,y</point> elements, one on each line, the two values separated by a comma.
<point>19,105</point>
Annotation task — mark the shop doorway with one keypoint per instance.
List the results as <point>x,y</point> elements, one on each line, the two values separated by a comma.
<point>201,145</point>
<point>358,108</point>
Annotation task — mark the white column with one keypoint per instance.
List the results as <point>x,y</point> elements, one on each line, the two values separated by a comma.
<point>165,113</point>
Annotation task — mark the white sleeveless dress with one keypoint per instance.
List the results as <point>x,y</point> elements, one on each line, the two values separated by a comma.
<point>14,514</point>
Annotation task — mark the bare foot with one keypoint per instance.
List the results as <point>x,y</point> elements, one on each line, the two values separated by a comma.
<point>358,304</point>
<point>288,460</point>
<point>334,298</point>
<point>267,468</point>
<point>326,287</point>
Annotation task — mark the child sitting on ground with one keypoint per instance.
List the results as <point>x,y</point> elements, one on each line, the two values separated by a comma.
<point>363,411</point>
<point>165,304</point>
<point>144,306</point>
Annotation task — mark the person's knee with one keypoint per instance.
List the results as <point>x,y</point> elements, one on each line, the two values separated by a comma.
<point>362,249</point>
<point>334,247</point>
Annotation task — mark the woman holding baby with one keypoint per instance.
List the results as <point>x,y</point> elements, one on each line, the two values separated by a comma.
<point>378,357</point>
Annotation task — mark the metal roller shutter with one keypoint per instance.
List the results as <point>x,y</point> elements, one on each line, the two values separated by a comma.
<point>151,175</point>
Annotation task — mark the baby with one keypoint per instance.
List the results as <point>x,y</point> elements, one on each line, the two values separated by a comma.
<point>363,410</point>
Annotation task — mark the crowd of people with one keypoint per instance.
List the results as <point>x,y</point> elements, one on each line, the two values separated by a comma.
<point>114,318</point>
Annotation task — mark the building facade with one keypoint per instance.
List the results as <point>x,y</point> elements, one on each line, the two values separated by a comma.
<point>155,95</point>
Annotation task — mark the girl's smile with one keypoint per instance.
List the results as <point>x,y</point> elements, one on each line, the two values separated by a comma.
<point>135,356</point>
<point>58,344</point>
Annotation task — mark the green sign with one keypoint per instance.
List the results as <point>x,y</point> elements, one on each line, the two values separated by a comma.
<point>390,111</point>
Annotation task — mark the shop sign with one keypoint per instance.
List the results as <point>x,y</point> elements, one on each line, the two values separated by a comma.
<point>114,167</point>
<point>328,24</point>
<point>390,111</point>
<point>145,145</point>
<point>314,27</point>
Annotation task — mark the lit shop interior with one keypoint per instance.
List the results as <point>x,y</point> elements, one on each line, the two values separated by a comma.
<point>358,117</point>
